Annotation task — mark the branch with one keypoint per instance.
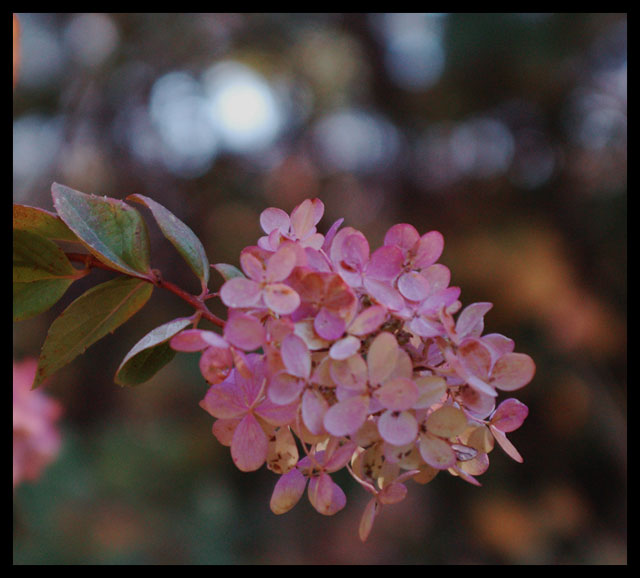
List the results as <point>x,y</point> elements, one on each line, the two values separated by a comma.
<point>197,303</point>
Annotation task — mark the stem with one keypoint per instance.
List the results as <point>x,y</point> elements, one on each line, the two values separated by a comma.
<point>155,279</point>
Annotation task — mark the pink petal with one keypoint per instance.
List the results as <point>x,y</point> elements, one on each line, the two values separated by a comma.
<point>252,266</point>
<point>331,233</point>
<point>281,298</point>
<point>446,421</point>
<point>368,320</point>
<point>296,356</point>
<point>222,401</point>
<point>436,301</point>
<point>239,293</point>
<point>340,456</point>
<point>216,364</point>
<point>276,414</point>
<point>328,325</point>
<point>337,253</point>
<point>285,388</point>
<point>512,371</point>
<point>305,216</point>
<point>325,495</point>
<point>425,327</point>
<point>381,359</point>
<point>480,404</point>
<point>345,348</point>
<point>346,417</point>
<point>465,476</point>
<point>438,275</point>
<point>429,249</point>
<point>436,452</point>
<point>249,382</point>
<point>314,406</point>
<point>249,445</point>
<point>280,264</point>
<point>471,320</point>
<point>223,430</point>
<point>393,493</point>
<point>288,491</point>
<point>476,466</point>
<point>368,517</point>
<point>476,358</point>
<point>385,264</point>
<point>398,428</point>
<point>350,373</point>
<point>384,294</point>
<point>190,340</point>
<point>402,235</point>
<point>506,445</point>
<point>509,415</point>
<point>355,251</point>
<point>431,390</point>
<point>244,331</point>
<point>413,286</point>
<point>398,394</point>
<point>273,218</point>
<point>498,345</point>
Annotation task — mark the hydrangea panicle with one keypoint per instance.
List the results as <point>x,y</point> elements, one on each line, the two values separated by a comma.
<point>336,355</point>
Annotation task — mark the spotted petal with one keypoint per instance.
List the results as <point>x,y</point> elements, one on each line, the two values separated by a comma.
<point>223,430</point>
<point>436,452</point>
<point>281,298</point>
<point>399,393</point>
<point>398,428</point>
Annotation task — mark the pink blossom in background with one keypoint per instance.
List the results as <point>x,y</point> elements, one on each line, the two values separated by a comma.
<point>36,439</point>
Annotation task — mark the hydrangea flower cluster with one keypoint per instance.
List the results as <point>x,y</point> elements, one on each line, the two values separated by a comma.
<point>36,439</point>
<point>334,356</point>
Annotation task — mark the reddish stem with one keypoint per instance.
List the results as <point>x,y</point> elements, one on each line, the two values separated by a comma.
<point>155,279</point>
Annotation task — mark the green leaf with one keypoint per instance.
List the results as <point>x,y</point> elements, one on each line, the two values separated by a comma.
<point>112,231</point>
<point>150,354</point>
<point>180,236</point>
<point>31,299</point>
<point>228,271</point>
<point>36,220</point>
<point>41,274</point>
<point>97,312</point>
<point>36,258</point>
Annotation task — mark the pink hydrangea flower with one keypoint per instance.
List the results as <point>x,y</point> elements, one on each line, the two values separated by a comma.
<point>245,414</point>
<point>361,359</point>
<point>264,287</point>
<point>36,438</point>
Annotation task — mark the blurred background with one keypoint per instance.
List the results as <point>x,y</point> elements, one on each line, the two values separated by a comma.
<point>505,132</point>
